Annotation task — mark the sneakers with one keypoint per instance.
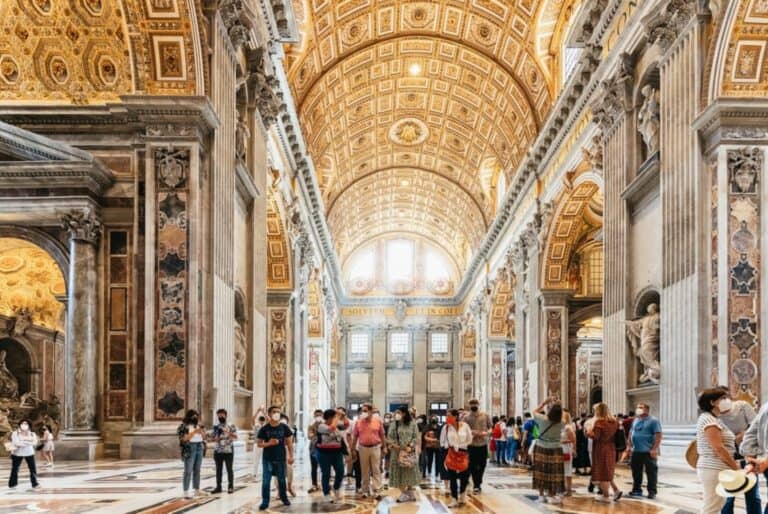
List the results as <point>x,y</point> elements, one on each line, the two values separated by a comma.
<point>200,493</point>
<point>462,498</point>
<point>337,493</point>
<point>189,493</point>
<point>313,489</point>
<point>477,490</point>
<point>542,499</point>
<point>404,497</point>
<point>327,498</point>
<point>36,487</point>
<point>454,503</point>
<point>603,499</point>
<point>555,500</point>
<point>230,490</point>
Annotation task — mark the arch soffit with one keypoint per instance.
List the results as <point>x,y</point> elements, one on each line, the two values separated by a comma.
<point>738,54</point>
<point>566,228</point>
<point>52,246</point>
<point>279,269</point>
<point>113,48</point>
<point>498,325</point>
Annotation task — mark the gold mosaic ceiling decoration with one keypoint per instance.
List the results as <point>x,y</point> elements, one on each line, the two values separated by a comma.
<point>431,89</point>
<point>278,252</point>
<point>30,280</point>
<point>93,51</point>
<point>745,72</point>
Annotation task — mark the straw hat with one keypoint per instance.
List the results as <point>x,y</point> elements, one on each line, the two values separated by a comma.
<point>734,482</point>
<point>692,454</point>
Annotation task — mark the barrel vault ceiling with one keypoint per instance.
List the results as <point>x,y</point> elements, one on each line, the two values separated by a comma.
<point>402,104</point>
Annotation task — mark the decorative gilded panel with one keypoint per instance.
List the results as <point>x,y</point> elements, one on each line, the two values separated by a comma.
<point>745,72</point>
<point>278,254</point>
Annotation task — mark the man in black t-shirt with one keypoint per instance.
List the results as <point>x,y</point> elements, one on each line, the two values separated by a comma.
<point>275,438</point>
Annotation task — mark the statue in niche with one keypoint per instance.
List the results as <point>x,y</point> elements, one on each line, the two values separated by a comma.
<point>9,385</point>
<point>400,310</point>
<point>242,136</point>
<point>643,335</point>
<point>241,354</point>
<point>22,321</point>
<point>648,119</point>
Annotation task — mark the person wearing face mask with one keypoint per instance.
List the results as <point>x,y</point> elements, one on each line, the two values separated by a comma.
<point>330,453</point>
<point>754,447</point>
<point>643,446</point>
<point>385,448</point>
<point>480,424</point>
<point>192,443</point>
<point>275,439</point>
<point>312,437</point>
<point>22,448</point>
<point>716,445</point>
<point>431,443</point>
<point>288,467</point>
<point>367,437</point>
<point>457,437</point>
<point>737,416</point>
<point>403,439</point>
<point>223,434</point>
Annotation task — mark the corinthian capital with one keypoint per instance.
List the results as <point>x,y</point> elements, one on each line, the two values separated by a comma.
<point>665,25</point>
<point>82,226</point>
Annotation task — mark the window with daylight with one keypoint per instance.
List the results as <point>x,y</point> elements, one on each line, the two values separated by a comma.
<point>593,264</point>
<point>501,189</point>
<point>436,266</point>
<point>399,343</point>
<point>358,345</point>
<point>439,409</point>
<point>363,265</point>
<point>400,260</point>
<point>439,342</point>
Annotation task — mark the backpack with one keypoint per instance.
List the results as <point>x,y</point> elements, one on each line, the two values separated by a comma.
<point>620,439</point>
<point>536,432</point>
<point>496,434</point>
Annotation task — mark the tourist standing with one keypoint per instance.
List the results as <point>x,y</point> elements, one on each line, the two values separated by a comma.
<point>643,445</point>
<point>312,438</point>
<point>431,445</point>
<point>22,448</point>
<point>530,434</point>
<point>368,436</point>
<point>716,445</point>
<point>568,440</point>
<point>275,439</point>
<point>581,462</point>
<point>192,442</point>
<point>458,437</point>
<point>514,435</point>
<point>289,468</point>
<point>330,452</point>
<point>480,424</point>
<point>48,445</point>
<point>500,437</point>
<point>603,435</point>
<point>737,416</point>
<point>223,434</point>
<point>403,439</point>
<point>754,446</point>
<point>548,471</point>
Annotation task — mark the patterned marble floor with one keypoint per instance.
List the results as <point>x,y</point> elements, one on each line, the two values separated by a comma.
<point>154,487</point>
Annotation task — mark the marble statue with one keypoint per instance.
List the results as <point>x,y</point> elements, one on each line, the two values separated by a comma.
<point>242,136</point>
<point>9,385</point>
<point>643,334</point>
<point>241,354</point>
<point>648,119</point>
<point>400,310</point>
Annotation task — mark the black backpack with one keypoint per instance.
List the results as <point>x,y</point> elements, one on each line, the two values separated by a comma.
<point>620,439</point>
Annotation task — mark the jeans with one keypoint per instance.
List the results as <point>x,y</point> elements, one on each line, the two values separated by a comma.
<point>192,463</point>
<point>501,452</point>
<point>751,500</point>
<point>273,468</point>
<point>459,481</point>
<point>16,464</point>
<point>478,456</point>
<point>511,449</point>
<point>639,461</point>
<point>328,460</point>
<point>431,455</point>
<point>313,464</point>
<point>221,459</point>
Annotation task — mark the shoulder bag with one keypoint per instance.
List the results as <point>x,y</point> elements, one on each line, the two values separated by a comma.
<point>456,460</point>
<point>533,443</point>
<point>406,457</point>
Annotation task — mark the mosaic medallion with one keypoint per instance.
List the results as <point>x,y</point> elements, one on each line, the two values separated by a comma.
<point>409,132</point>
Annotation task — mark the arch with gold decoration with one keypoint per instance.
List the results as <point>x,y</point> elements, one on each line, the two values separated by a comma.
<point>279,271</point>
<point>501,323</point>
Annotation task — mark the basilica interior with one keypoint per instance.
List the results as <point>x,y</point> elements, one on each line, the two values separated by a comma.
<point>229,204</point>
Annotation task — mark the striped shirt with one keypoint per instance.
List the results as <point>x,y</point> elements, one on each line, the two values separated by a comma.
<point>708,459</point>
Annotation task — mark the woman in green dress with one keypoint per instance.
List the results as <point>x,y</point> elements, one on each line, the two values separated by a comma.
<point>403,437</point>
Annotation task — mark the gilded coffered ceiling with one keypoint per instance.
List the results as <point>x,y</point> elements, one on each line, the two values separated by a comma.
<point>745,72</point>
<point>94,51</point>
<point>401,103</point>
<point>30,281</point>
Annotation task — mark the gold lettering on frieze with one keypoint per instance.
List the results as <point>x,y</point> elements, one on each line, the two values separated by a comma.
<point>367,311</point>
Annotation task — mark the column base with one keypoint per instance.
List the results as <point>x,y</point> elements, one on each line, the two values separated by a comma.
<point>151,442</point>
<point>676,440</point>
<point>76,445</point>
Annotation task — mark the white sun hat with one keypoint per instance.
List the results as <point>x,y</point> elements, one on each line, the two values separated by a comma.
<point>733,482</point>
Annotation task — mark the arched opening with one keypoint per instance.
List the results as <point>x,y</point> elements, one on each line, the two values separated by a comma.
<point>15,369</point>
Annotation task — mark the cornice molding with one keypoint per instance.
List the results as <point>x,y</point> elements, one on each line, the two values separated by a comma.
<point>733,122</point>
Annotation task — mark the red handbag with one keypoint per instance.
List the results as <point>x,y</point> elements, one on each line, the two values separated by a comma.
<point>456,460</point>
<point>566,457</point>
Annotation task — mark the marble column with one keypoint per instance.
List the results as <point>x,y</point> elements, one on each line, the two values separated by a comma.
<point>82,353</point>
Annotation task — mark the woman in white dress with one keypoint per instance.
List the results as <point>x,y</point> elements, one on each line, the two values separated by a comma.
<point>48,447</point>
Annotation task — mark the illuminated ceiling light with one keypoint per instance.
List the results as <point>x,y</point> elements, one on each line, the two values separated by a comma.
<point>405,183</point>
<point>414,70</point>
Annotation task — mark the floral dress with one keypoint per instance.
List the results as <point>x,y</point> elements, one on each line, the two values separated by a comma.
<point>403,436</point>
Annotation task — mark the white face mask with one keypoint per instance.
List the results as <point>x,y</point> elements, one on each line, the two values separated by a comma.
<point>640,412</point>
<point>319,419</point>
<point>24,426</point>
<point>276,416</point>
<point>398,417</point>
<point>377,415</point>
<point>725,405</point>
<point>363,415</point>
<point>284,421</point>
<point>419,421</point>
